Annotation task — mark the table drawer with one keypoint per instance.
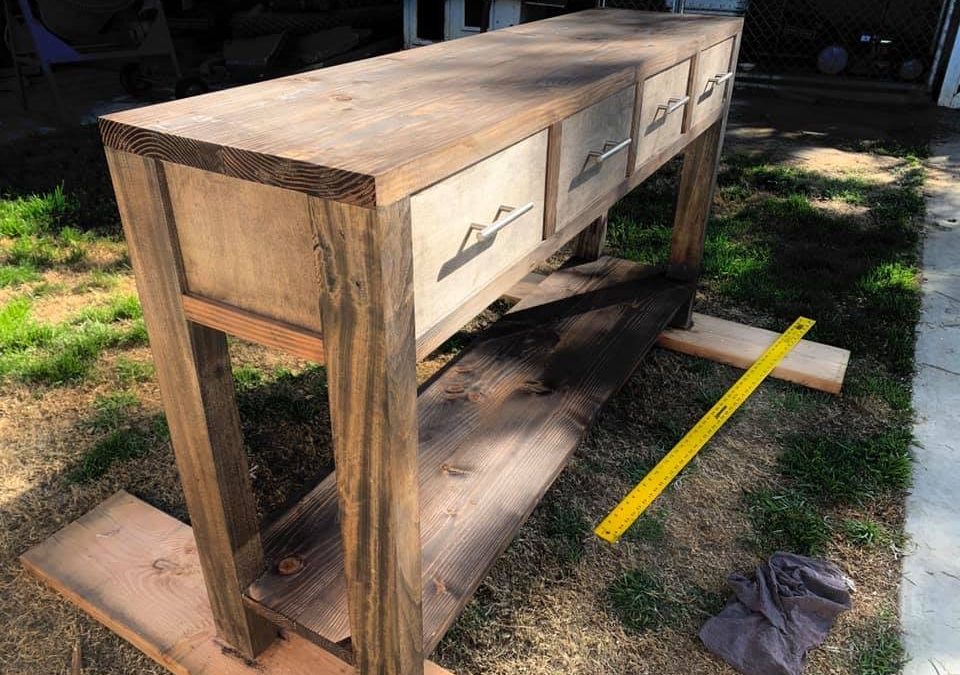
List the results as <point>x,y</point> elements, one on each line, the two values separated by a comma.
<point>713,80</point>
<point>453,258</point>
<point>663,100</point>
<point>594,149</point>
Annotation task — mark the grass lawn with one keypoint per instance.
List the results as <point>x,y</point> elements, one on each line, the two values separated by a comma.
<point>794,470</point>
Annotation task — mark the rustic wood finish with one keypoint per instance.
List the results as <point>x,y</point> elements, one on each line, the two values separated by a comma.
<point>697,180</point>
<point>595,322</point>
<point>193,368</point>
<point>136,570</point>
<point>589,244</point>
<point>811,364</point>
<point>332,214</point>
<point>296,341</point>
<point>367,306</point>
<point>362,133</point>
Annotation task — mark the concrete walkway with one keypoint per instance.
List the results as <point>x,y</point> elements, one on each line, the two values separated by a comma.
<point>930,592</point>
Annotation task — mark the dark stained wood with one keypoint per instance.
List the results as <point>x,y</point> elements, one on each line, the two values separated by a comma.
<point>193,369</point>
<point>553,179</point>
<point>136,570</point>
<point>697,180</point>
<point>265,331</point>
<point>496,426</point>
<point>377,130</point>
<point>366,263</point>
<point>589,244</point>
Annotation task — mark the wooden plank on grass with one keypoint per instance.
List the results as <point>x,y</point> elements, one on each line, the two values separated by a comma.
<point>812,364</point>
<point>136,570</point>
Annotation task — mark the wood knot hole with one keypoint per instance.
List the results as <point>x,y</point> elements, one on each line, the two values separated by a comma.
<point>290,565</point>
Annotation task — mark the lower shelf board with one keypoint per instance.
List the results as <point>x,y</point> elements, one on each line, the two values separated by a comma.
<point>496,427</point>
<point>136,570</point>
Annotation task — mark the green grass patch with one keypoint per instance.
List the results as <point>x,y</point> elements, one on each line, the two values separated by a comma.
<point>110,411</point>
<point>247,377</point>
<point>36,214</point>
<point>848,470</point>
<point>566,527</point>
<point>773,246</point>
<point>786,521</point>
<point>118,446</point>
<point>129,371</point>
<point>879,650</point>
<point>282,395</point>
<point>867,533</point>
<point>58,353</point>
<point>642,601</point>
<point>650,528</point>
<point>894,391</point>
<point>17,275</point>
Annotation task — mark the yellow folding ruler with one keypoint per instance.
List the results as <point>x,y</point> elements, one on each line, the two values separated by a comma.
<point>634,504</point>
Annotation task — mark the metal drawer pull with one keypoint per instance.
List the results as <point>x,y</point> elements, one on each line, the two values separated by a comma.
<point>487,231</point>
<point>721,78</point>
<point>674,104</point>
<point>608,152</point>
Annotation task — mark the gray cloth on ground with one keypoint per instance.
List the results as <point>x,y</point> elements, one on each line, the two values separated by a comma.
<point>772,622</point>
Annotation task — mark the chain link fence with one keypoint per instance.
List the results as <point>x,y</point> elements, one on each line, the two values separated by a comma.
<point>871,40</point>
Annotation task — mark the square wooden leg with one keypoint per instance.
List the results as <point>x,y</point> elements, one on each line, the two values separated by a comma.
<point>697,181</point>
<point>368,320</point>
<point>193,368</point>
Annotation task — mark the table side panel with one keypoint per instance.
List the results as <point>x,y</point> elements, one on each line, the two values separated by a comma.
<point>246,245</point>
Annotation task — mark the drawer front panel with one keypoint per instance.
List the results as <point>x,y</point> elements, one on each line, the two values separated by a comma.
<point>661,110</point>
<point>713,81</point>
<point>594,149</point>
<point>452,260</point>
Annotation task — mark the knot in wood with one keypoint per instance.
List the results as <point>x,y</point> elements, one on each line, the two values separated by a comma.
<point>290,565</point>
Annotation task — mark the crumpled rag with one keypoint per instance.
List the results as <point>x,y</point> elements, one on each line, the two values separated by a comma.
<point>773,621</point>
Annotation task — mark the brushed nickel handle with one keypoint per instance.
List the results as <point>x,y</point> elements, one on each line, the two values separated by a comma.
<point>674,104</point>
<point>484,232</point>
<point>721,78</point>
<point>610,148</point>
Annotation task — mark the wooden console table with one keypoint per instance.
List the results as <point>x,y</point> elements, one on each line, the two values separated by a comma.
<point>359,216</point>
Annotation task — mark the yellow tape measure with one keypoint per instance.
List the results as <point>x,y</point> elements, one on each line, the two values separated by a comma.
<point>634,504</point>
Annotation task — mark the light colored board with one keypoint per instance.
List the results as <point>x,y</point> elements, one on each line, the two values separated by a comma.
<point>377,130</point>
<point>812,364</point>
<point>136,570</point>
<point>193,370</point>
<point>249,326</point>
<point>450,262</point>
<point>707,97</point>
<point>657,128</point>
<point>245,245</point>
<point>594,129</point>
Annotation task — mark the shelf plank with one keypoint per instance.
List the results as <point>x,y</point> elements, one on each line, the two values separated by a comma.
<point>812,364</point>
<point>136,570</point>
<point>496,427</point>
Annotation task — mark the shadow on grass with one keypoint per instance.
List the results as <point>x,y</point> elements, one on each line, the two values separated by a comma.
<point>775,247</point>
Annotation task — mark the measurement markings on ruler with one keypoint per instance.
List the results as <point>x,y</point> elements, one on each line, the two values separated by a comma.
<point>647,490</point>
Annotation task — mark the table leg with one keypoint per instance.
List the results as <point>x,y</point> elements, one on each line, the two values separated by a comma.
<point>193,368</point>
<point>588,245</point>
<point>365,263</point>
<point>697,181</point>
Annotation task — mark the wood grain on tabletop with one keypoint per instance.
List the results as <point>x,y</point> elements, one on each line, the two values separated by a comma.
<point>376,130</point>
